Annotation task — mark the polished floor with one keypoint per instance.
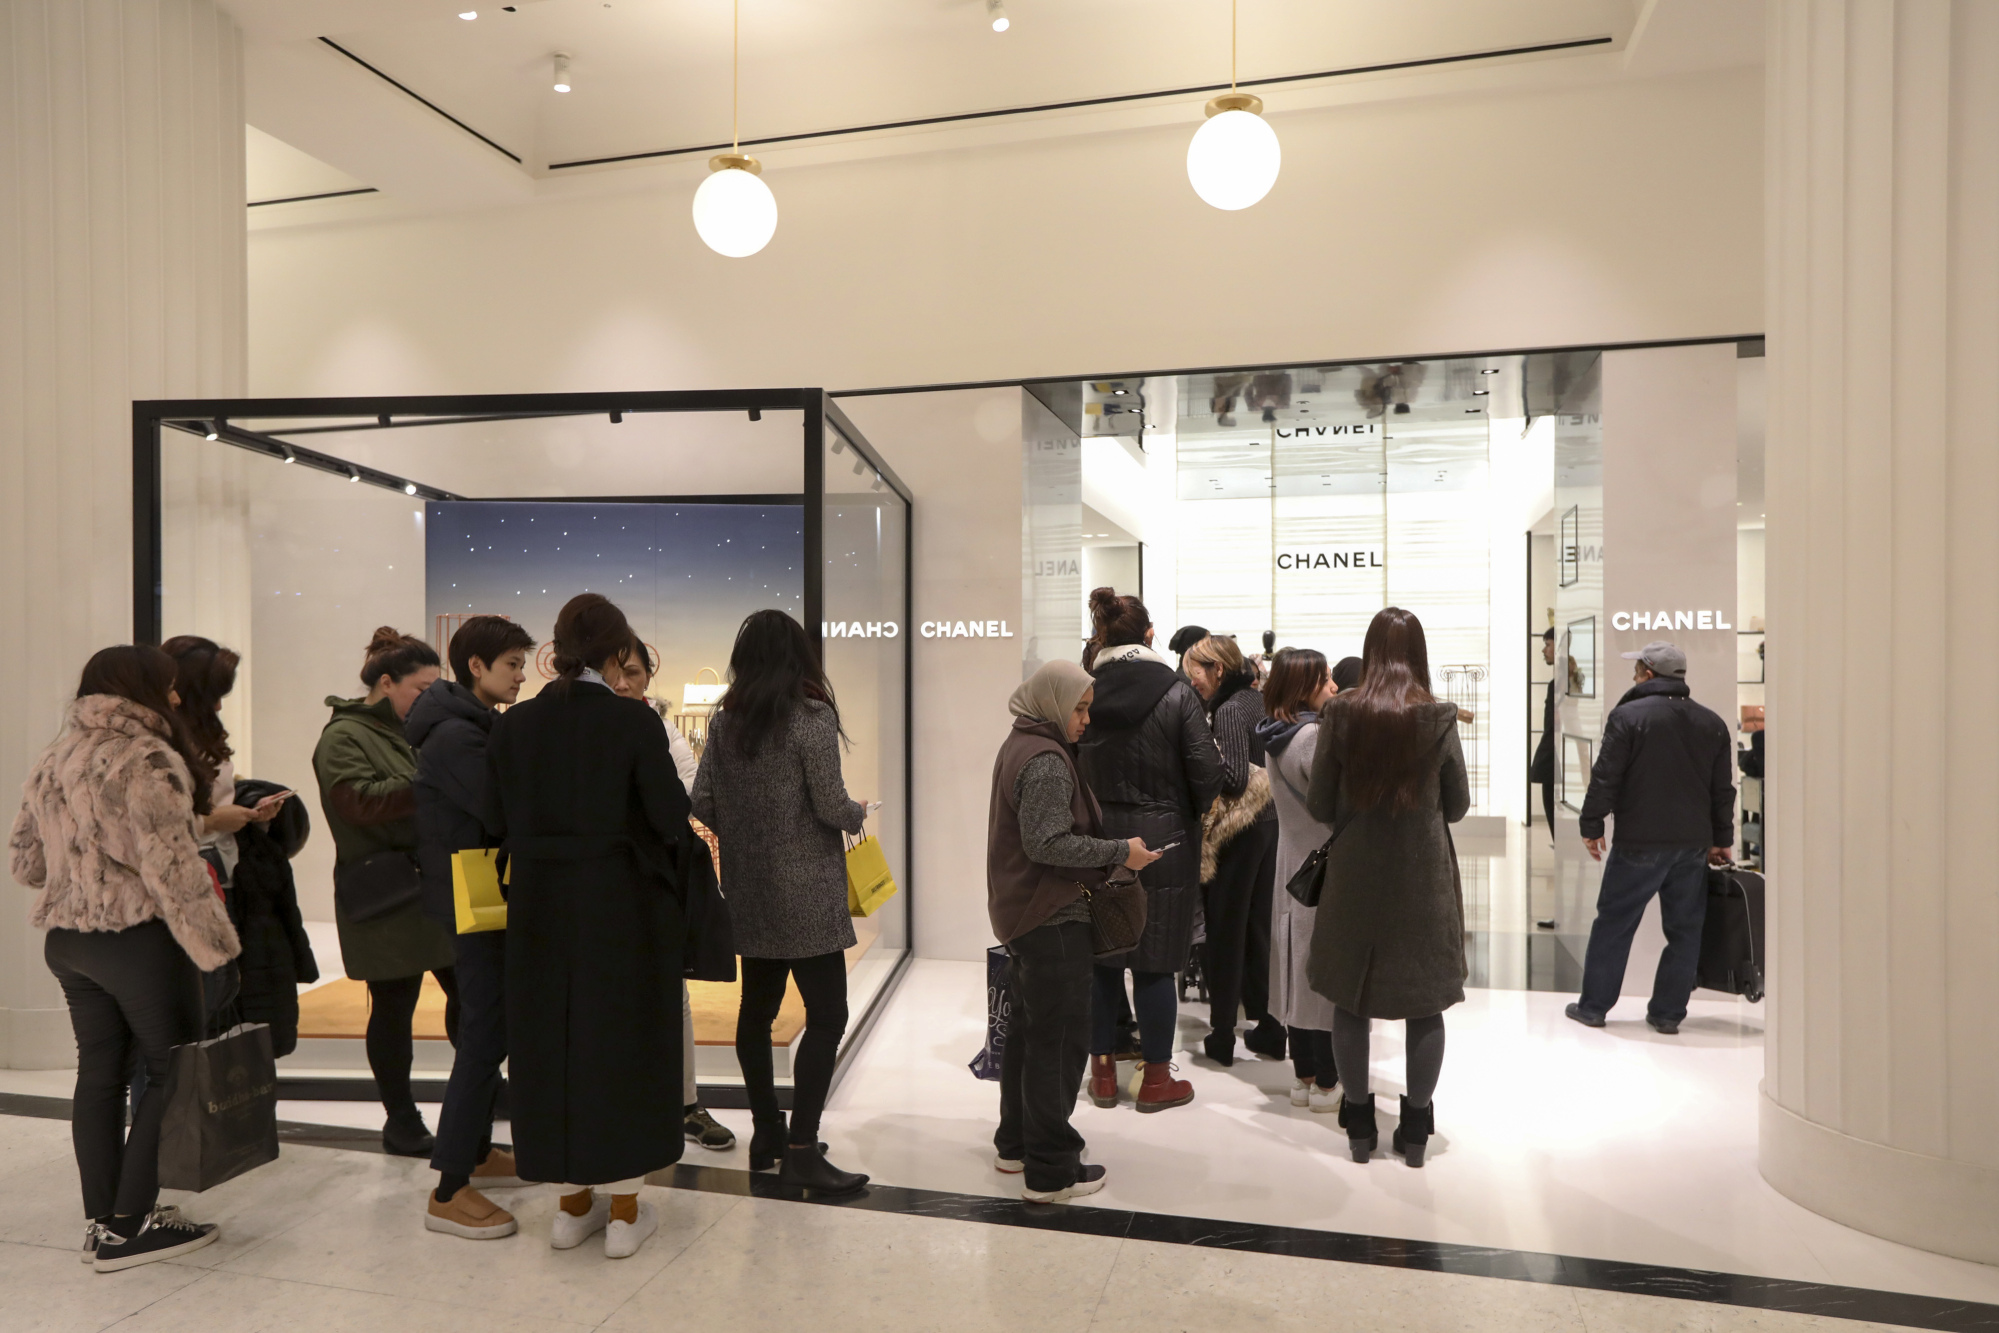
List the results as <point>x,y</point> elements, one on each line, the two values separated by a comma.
<point>330,1240</point>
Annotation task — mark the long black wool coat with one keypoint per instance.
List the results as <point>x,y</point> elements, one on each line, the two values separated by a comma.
<point>591,814</point>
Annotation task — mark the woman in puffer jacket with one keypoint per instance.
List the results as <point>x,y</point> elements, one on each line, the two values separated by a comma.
<point>107,836</point>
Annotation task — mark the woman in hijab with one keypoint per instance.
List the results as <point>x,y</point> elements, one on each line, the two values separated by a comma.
<point>1044,848</point>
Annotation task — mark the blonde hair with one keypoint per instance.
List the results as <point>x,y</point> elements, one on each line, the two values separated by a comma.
<point>1220,651</point>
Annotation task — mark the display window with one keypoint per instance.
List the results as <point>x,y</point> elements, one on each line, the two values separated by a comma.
<point>289,530</point>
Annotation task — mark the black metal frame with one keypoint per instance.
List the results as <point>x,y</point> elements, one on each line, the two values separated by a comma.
<point>214,418</point>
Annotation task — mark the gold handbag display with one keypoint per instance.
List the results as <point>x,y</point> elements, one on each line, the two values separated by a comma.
<point>475,890</point>
<point>869,883</point>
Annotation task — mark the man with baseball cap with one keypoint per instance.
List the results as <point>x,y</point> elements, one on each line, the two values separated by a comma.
<point>1666,770</point>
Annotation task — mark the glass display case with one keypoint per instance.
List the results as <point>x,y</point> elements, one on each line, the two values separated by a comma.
<point>290,529</point>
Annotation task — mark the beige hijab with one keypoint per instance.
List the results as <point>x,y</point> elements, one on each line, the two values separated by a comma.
<point>1050,694</point>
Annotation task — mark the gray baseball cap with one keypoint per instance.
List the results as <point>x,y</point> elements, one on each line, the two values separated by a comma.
<point>1660,658</point>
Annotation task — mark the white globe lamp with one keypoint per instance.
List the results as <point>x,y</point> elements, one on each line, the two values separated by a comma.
<point>734,211</point>
<point>1234,157</point>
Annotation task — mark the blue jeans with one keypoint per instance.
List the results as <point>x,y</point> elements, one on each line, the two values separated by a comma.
<point>1630,877</point>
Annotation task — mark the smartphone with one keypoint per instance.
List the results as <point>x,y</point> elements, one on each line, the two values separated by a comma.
<point>277,797</point>
<point>1161,851</point>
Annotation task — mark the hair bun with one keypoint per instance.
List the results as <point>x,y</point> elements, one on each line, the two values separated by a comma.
<point>385,639</point>
<point>1103,603</point>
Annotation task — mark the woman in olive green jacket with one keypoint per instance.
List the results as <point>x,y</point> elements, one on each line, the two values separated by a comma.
<point>365,767</point>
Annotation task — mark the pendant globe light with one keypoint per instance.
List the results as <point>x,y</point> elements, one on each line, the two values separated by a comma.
<point>1234,158</point>
<point>734,211</point>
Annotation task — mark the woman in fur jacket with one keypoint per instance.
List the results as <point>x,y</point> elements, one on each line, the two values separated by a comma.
<point>107,838</point>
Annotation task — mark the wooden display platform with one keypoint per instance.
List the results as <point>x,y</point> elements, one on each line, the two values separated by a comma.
<point>339,1009</point>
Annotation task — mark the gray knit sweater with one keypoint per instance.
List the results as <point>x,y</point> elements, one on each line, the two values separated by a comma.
<point>779,818</point>
<point>1043,793</point>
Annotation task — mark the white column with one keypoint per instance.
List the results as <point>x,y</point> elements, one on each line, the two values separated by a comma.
<point>121,277</point>
<point>1881,1087</point>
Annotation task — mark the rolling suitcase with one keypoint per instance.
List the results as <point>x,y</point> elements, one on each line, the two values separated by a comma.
<point>1732,936</point>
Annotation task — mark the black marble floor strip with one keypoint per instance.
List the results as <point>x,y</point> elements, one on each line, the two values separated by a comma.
<point>1687,1284</point>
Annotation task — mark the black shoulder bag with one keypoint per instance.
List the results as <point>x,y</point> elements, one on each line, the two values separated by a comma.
<point>1308,881</point>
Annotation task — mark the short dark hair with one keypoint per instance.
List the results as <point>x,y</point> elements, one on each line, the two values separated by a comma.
<point>1185,637</point>
<point>395,654</point>
<point>1295,676</point>
<point>487,638</point>
<point>1548,633</point>
<point>1346,673</point>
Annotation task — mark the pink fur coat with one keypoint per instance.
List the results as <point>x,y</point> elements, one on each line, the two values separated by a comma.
<point>107,833</point>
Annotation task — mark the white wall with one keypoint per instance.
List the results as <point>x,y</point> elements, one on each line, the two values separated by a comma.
<point>1609,212</point>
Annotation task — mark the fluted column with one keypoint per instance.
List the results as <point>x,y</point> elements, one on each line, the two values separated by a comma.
<point>121,277</point>
<point>1881,1086</point>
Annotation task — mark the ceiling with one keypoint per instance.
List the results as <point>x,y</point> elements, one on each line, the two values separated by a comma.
<point>652,75</point>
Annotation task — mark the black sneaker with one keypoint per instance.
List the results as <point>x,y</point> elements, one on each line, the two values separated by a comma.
<point>164,1235</point>
<point>1584,1016</point>
<point>706,1130</point>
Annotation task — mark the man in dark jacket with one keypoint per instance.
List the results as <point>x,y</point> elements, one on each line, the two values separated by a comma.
<point>1666,770</point>
<point>448,724</point>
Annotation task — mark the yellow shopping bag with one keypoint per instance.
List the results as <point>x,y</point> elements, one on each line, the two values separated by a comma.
<point>475,890</point>
<point>869,883</point>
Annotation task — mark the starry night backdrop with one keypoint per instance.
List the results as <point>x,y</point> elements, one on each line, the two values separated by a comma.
<point>684,574</point>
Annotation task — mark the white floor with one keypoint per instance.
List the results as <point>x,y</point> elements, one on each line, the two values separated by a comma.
<point>326,1241</point>
<point>1617,1144</point>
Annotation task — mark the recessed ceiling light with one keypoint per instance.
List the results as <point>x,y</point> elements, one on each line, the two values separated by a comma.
<point>996,10</point>
<point>561,72</point>
<point>1480,393</point>
<point>469,15</point>
<point>409,488</point>
<point>1488,372</point>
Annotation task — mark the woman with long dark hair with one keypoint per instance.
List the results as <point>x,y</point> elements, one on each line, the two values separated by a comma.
<point>366,770</point>
<point>106,838</point>
<point>1238,856</point>
<point>204,675</point>
<point>1388,942</point>
<point>592,816</point>
<point>770,788</point>
<point>1151,762</point>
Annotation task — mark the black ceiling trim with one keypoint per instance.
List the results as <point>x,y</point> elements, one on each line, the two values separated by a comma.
<point>302,198</point>
<point>421,98</point>
<point>1079,103</point>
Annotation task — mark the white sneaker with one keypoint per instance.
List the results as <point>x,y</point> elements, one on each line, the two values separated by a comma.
<point>1009,1166</point>
<point>1301,1092</point>
<point>1089,1182</point>
<point>622,1239</point>
<point>1325,1101</point>
<point>570,1231</point>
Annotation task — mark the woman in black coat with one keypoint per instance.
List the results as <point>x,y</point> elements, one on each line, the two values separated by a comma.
<point>590,813</point>
<point>1388,939</point>
<point>1151,761</point>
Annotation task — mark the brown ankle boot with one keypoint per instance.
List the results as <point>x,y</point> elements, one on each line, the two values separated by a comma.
<point>1160,1090</point>
<point>1103,1081</point>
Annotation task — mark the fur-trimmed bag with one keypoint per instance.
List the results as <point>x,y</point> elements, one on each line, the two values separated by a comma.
<point>1229,817</point>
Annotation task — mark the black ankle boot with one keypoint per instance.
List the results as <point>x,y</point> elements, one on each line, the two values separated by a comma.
<point>805,1167</point>
<point>1220,1047</point>
<point>767,1143</point>
<point>1412,1133</point>
<point>1266,1039</point>
<point>405,1135</point>
<point>1357,1119</point>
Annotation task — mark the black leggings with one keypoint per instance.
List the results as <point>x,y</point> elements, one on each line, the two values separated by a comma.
<point>391,1044</point>
<point>1312,1056</point>
<point>1423,1054</point>
<point>132,990</point>
<point>822,984</point>
<point>1238,902</point>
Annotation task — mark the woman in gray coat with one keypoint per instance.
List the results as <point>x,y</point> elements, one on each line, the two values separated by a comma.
<point>1388,941</point>
<point>770,787</point>
<point>1299,687</point>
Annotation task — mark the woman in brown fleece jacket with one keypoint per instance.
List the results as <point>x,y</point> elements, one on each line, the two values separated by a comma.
<point>106,838</point>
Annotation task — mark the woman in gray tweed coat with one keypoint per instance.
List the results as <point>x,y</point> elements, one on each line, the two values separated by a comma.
<point>770,787</point>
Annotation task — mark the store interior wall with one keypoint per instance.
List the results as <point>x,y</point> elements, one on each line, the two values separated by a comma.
<point>1598,213</point>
